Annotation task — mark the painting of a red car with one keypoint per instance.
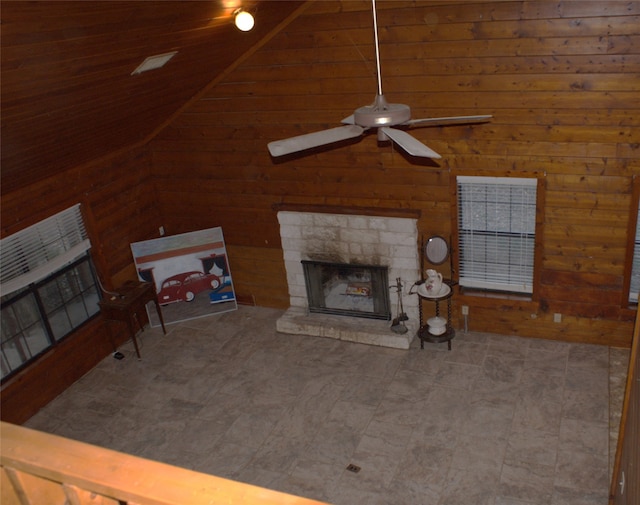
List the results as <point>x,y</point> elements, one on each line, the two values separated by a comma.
<point>185,286</point>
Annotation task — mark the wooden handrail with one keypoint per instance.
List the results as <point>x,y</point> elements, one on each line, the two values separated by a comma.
<point>41,468</point>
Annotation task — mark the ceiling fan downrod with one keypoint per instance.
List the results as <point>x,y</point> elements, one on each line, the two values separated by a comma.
<point>380,112</point>
<point>375,38</point>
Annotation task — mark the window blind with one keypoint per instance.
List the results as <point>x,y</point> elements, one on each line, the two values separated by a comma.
<point>634,288</point>
<point>41,249</point>
<point>496,226</point>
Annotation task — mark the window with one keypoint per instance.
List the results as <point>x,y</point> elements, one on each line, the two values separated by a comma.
<point>635,270</point>
<point>496,230</point>
<point>48,286</point>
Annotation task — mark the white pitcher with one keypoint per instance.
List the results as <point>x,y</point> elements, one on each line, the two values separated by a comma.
<point>433,282</point>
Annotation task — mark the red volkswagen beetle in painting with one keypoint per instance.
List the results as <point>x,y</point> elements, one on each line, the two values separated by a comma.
<point>185,286</point>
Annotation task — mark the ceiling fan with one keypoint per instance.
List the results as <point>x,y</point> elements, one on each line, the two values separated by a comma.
<point>381,115</point>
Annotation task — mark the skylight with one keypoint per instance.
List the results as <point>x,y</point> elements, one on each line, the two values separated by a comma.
<point>153,62</point>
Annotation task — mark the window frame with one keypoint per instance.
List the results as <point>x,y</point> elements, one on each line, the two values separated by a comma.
<point>537,243</point>
<point>52,340</point>
<point>632,231</point>
<point>46,267</point>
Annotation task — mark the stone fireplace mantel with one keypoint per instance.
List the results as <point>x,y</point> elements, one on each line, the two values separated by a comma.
<point>347,210</point>
<point>355,238</point>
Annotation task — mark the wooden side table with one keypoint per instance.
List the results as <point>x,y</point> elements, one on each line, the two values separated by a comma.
<point>132,300</point>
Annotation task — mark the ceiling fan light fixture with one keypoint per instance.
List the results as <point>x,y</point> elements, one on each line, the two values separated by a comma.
<point>244,20</point>
<point>382,136</point>
<point>382,113</point>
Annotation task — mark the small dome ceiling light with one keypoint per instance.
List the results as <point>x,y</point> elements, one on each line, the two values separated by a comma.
<point>244,20</point>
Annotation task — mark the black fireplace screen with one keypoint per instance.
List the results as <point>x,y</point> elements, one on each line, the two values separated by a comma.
<point>347,289</point>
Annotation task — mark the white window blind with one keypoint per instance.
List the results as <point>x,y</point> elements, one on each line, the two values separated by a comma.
<point>635,270</point>
<point>41,249</point>
<point>496,226</point>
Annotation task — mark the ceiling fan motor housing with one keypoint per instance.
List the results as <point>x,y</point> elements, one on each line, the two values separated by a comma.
<point>381,113</point>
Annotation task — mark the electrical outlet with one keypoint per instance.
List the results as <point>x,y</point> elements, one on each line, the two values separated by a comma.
<point>557,317</point>
<point>161,231</point>
<point>465,310</point>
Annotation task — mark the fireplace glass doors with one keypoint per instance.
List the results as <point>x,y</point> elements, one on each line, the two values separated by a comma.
<point>347,289</point>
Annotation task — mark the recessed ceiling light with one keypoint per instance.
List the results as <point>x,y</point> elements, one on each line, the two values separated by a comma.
<point>153,62</point>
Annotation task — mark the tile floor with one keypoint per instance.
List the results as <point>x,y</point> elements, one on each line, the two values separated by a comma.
<point>495,421</point>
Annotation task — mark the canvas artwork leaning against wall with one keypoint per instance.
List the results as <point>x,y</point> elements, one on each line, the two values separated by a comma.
<point>190,272</point>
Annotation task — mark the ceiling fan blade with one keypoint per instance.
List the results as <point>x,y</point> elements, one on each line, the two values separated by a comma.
<point>440,121</point>
<point>410,144</point>
<point>315,139</point>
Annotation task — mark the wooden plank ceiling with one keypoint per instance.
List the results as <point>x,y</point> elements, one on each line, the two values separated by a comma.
<point>68,96</point>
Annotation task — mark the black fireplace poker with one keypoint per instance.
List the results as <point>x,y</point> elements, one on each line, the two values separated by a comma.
<point>397,325</point>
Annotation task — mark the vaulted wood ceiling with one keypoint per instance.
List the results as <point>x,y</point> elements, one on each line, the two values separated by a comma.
<point>68,96</point>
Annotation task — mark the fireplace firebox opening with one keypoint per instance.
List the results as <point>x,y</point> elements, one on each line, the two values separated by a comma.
<point>347,289</point>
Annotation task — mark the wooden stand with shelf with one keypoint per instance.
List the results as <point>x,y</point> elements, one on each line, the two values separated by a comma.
<point>131,301</point>
<point>423,331</point>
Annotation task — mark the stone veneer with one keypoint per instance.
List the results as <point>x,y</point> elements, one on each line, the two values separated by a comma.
<point>346,238</point>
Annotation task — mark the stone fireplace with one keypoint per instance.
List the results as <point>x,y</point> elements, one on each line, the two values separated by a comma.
<point>345,243</point>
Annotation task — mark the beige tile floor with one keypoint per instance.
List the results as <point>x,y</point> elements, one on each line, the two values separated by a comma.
<point>495,421</point>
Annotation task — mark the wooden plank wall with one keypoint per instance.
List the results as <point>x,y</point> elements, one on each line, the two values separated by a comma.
<point>560,78</point>
<point>118,202</point>
<point>625,482</point>
<point>68,96</point>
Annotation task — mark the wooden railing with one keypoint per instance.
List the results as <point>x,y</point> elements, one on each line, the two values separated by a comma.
<point>625,483</point>
<point>38,468</point>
